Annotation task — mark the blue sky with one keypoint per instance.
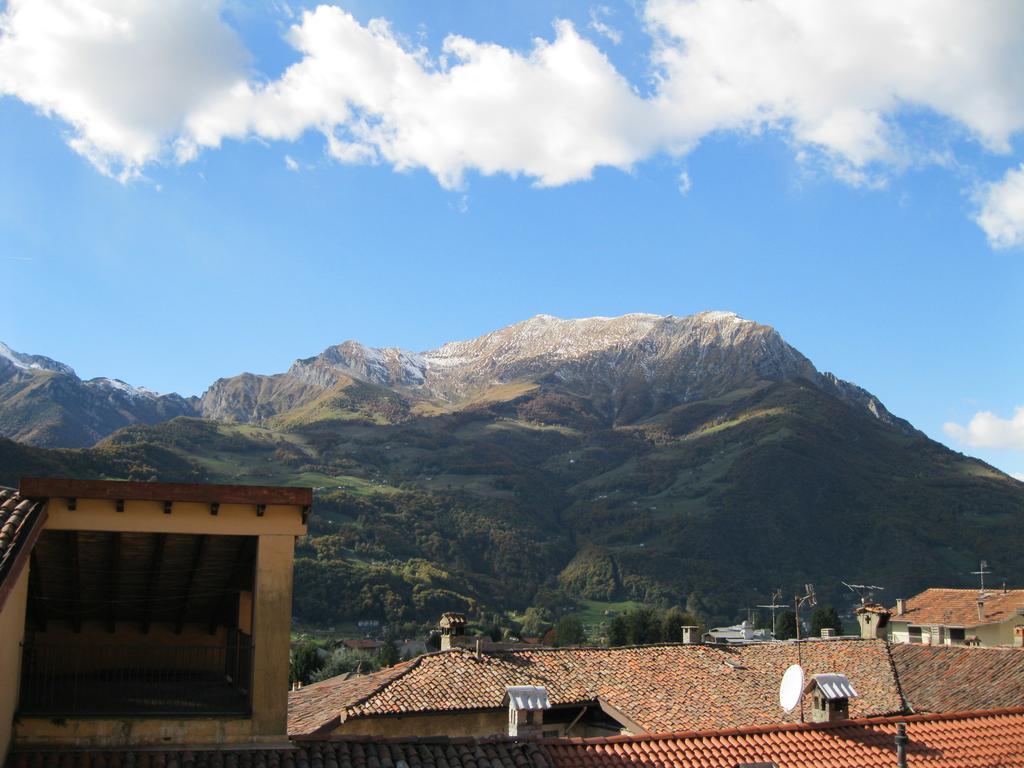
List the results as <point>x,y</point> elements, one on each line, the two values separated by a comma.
<point>189,232</point>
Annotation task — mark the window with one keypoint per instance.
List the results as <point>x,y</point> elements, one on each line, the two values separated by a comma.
<point>915,634</point>
<point>957,635</point>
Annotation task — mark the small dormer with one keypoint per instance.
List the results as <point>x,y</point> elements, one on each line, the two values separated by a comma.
<point>830,697</point>
<point>452,625</point>
<point>526,705</point>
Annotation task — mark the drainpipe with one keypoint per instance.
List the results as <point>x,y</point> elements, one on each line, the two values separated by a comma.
<point>901,745</point>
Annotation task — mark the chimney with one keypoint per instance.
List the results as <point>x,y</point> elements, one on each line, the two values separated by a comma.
<point>827,632</point>
<point>748,630</point>
<point>901,606</point>
<point>1018,637</point>
<point>981,611</point>
<point>831,697</point>
<point>453,629</point>
<point>691,635</point>
<point>526,705</point>
<point>873,620</point>
<point>901,745</point>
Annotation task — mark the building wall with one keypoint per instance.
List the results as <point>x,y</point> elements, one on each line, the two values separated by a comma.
<point>139,732</point>
<point>990,635</point>
<point>457,724</point>
<point>12,631</point>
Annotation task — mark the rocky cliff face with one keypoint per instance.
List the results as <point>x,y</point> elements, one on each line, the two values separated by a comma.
<point>43,402</point>
<point>628,367</point>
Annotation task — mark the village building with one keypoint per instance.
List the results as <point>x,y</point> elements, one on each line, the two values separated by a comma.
<point>591,691</point>
<point>960,617</point>
<point>145,613</point>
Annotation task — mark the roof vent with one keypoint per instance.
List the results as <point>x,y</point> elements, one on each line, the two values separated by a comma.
<point>831,700</point>
<point>526,705</point>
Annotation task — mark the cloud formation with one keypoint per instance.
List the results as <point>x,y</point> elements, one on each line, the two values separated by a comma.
<point>986,430</point>
<point>1002,210</point>
<point>138,82</point>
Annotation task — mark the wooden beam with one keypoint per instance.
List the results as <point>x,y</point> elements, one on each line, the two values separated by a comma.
<point>246,549</point>
<point>41,488</point>
<point>155,564</point>
<point>36,597</point>
<point>197,556</point>
<point>114,583</point>
<point>76,584</point>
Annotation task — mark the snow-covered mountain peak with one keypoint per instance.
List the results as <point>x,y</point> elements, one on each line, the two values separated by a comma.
<point>32,362</point>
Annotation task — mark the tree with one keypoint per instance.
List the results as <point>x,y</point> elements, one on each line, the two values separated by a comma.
<point>344,661</point>
<point>618,632</point>
<point>535,622</point>
<point>825,617</point>
<point>569,631</point>
<point>785,626</point>
<point>303,662</point>
<point>643,625</point>
<point>672,623</point>
<point>388,656</point>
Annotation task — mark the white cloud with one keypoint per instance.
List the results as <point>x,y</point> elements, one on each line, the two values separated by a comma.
<point>122,73</point>
<point>1002,210</point>
<point>134,79</point>
<point>603,28</point>
<point>986,430</point>
<point>291,163</point>
<point>685,184</point>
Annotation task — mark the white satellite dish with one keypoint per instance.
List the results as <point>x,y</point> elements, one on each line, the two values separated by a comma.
<point>792,688</point>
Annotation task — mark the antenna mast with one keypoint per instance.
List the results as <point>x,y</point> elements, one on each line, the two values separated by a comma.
<point>776,596</point>
<point>981,573</point>
<point>864,591</point>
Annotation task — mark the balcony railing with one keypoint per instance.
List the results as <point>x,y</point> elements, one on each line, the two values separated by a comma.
<point>136,680</point>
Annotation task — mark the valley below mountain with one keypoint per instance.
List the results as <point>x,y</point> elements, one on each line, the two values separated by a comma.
<point>698,461</point>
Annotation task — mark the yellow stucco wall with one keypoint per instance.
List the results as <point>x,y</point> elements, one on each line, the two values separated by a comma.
<point>272,624</point>
<point>12,628</point>
<point>990,635</point>
<point>185,517</point>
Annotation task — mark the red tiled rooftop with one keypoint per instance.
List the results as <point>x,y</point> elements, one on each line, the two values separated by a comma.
<point>20,523</point>
<point>964,740</point>
<point>958,678</point>
<point>658,688</point>
<point>959,607</point>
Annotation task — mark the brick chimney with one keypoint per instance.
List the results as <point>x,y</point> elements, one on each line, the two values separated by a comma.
<point>830,700</point>
<point>453,630</point>
<point>691,635</point>
<point>526,705</point>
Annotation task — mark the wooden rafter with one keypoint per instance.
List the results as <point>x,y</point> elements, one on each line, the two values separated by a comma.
<point>155,566</point>
<point>197,556</point>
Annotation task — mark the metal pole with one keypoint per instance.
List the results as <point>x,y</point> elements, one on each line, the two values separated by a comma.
<point>901,745</point>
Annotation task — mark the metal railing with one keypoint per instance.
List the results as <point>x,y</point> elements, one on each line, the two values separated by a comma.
<point>137,680</point>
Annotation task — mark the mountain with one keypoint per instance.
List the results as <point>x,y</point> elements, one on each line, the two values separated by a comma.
<point>44,403</point>
<point>580,465</point>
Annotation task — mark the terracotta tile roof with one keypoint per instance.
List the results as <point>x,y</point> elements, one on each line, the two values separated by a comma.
<point>967,740</point>
<point>959,607</point>
<point>962,740</point>
<point>347,753</point>
<point>958,678</point>
<point>20,520</point>
<point>657,688</point>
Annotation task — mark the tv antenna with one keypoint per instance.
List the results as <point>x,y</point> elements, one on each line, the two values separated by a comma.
<point>864,591</point>
<point>776,596</point>
<point>808,599</point>
<point>981,573</point>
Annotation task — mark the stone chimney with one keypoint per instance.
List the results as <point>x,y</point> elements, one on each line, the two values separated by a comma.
<point>873,620</point>
<point>830,700</point>
<point>691,635</point>
<point>901,606</point>
<point>453,630</point>
<point>827,632</point>
<point>526,705</point>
